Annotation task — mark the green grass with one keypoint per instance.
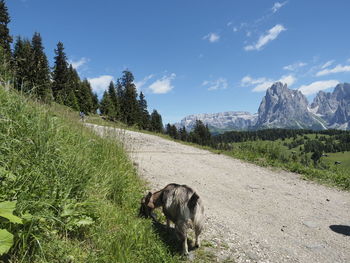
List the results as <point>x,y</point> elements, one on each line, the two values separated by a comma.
<point>275,154</point>
<point>78,194</point>
<point>343,157</point>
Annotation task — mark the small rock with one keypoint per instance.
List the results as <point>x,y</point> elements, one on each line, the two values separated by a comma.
<point>253,186</point>
<point>315,246</point>
<point>327,200</point>
<point>310,224</point>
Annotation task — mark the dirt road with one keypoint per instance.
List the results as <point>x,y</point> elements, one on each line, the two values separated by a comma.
<point>253,214</point>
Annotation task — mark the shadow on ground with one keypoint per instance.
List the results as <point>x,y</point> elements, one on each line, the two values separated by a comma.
<point>168,236</point>
<point>341,229</point>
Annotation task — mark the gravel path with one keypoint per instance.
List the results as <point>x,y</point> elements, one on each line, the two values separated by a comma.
<point>253,214</point>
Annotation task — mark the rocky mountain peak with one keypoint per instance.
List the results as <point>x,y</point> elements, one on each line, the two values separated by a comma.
<point>285,108</point>
<point>334,107</point>
<point>282,107</point>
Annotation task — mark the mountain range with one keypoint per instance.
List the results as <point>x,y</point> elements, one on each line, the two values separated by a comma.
<point>282,107</point>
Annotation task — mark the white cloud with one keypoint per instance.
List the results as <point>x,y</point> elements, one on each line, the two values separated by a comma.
<point>79,63</point>
<point>295,66</point>
<point>277,6</point>
<point>338,69</point>
<point>220,83</point>
<point>247,81</point>
<point>262,84</point>
<point>317,86</point>
<point>264,39</point>
<point>142,82</point>
<point>101,83</point>
<point>212,37</point>
<point>235,29</point>
<point>163,85</point>
<point>327,64</point>
<point>288,79</point>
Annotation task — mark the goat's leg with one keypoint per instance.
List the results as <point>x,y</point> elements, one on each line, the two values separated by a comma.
<point>182,235</point>
<point>197,231</point>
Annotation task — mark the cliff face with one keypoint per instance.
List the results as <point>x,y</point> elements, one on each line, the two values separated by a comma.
<point>334,107</point>
<point>235,120</point>
<point>285,108</point>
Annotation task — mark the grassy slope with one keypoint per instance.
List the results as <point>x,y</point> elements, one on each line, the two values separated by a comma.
<point>268,153</point>
<point>81,191</point>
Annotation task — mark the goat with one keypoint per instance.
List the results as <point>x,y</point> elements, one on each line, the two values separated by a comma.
<point>181,205</point>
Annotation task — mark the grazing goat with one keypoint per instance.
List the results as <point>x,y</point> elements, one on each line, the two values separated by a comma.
<point>181,205</point>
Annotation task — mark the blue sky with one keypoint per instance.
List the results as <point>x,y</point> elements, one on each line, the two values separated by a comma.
<point>196,56</point>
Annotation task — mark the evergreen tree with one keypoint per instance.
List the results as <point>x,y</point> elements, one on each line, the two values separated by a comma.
<point>24,66</point>
<point>144,114</point>
<point>106,104</point>
<point>113,114</point>
<point>168,129</point>
<point>90,103</point>
<point>129,103</point>
<point>60,75</point>
<point>95,103</point>
<point>156,124</point>
<point>201,134</point>
<point>5,38</point>
<point>41,70</point>
<point>5,68</point>
<point>72,89</point>
<point>183,134</point>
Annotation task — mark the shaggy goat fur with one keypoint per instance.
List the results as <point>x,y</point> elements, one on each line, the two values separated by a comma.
<point>181,205</point>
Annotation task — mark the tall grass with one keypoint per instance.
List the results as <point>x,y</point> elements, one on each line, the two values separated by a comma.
<point>77,193</point>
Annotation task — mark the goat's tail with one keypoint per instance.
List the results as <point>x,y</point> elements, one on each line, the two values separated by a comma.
<point>197,211</point>
<point>192,203</point>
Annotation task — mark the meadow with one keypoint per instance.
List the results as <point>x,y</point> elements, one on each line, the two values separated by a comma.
<point>68,195</point>
<point>278,153</point>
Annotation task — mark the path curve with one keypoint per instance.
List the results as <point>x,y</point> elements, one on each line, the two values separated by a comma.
<point>253,214</point>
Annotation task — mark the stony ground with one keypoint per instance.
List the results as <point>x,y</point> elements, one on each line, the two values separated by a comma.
<point>253,214</point>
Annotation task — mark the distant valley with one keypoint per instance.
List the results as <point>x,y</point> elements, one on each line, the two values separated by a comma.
<point>282,107</point>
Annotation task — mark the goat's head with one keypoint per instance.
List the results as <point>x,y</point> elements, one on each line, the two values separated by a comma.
<point>147,206</point>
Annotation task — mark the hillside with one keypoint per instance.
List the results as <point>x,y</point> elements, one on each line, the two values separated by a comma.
<point>74,194</point>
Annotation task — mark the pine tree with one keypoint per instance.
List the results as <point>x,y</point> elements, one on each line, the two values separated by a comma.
<point>106,104</point>
<point>90,102</point>
<point>41,70</point>
<point>60,75</point>
<point>5,38</point>
<point>72,89</point>
<point>95,103</point>
<point>24,66</point>
<point>168,129</point>
<point>201,134</point>
<point>156,124</point>
<point>144,118</point>
<point>183,134</point>
<point>113,114</point>
<point>129,103</point>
